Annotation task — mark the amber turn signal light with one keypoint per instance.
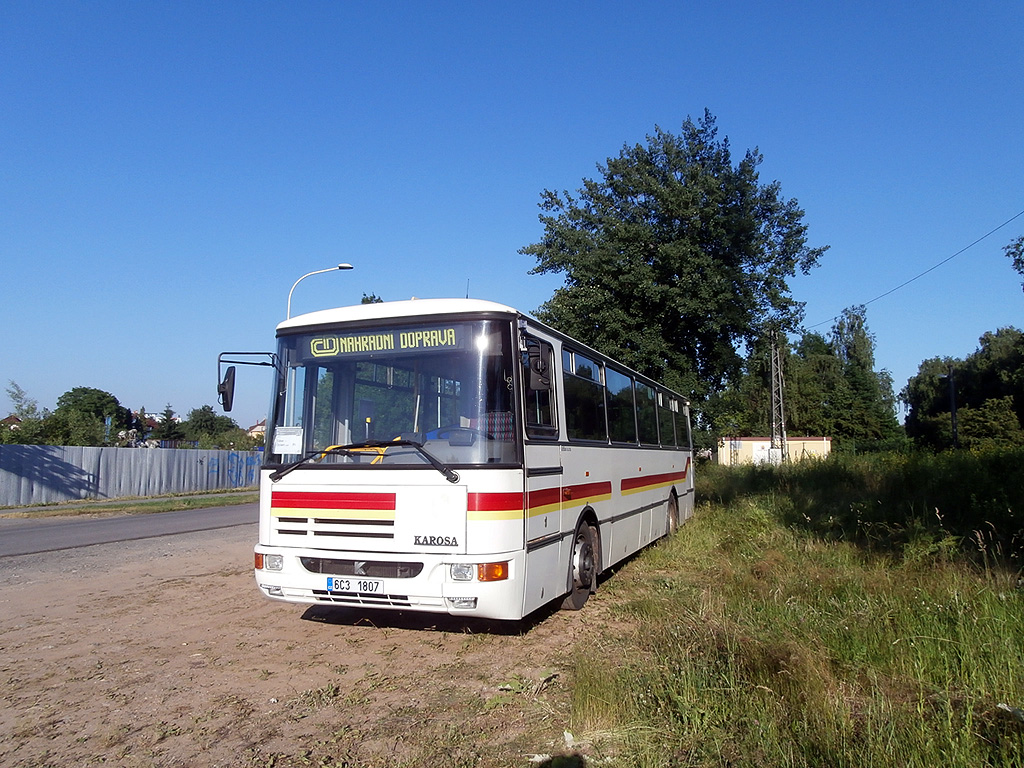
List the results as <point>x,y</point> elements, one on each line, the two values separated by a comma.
<point>492,571</point>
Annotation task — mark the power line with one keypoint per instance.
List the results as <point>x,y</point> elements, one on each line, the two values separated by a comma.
<point>930,269</point>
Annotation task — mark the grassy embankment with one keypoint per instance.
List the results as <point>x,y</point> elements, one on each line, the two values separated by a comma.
<point>135,506</point>
<point>854,612</point>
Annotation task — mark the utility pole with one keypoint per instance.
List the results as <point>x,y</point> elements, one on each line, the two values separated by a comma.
<point>779,448</point>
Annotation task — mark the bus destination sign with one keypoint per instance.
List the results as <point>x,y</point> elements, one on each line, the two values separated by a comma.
<point>428,339</point>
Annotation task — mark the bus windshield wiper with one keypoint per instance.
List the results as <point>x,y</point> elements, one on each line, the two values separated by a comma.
<point>277,474</point>
<point>449,474</point>
<point>355,448</point>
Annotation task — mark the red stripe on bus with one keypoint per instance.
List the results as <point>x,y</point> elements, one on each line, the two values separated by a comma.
<point>571,494</point>
<point>319,500</point>
<point>544,497</point>
<point>632,483</point>
<point>587,490</point>
<point>494,502</point>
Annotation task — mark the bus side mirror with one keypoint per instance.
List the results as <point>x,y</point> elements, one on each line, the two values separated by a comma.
<point>226,389</point>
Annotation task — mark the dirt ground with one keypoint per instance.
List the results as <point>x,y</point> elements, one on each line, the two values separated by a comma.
<point>161,652</point>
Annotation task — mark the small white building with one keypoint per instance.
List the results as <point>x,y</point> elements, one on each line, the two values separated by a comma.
<point>758,450</point>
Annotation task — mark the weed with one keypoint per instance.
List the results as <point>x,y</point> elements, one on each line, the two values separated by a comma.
<point>778,644</point>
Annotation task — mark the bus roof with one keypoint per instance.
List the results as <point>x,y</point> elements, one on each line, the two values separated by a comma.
<point>392,309</point>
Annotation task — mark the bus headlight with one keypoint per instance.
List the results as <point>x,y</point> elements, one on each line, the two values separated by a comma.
<point>462,571</point>
<point>269,562</point>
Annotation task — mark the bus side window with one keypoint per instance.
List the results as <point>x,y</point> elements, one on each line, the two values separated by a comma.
<point>583,391</point>
<point>538,386</point>
<point>665,420</point>
<point>621,407</point>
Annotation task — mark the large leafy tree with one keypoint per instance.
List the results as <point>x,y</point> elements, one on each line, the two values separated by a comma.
<point>675,259</point>
<point>168,428</point>
<point>865,409</point>
<point>204,422</point>
<point>94,402</point>
<point>831,389</point>
<point>204,427</point>
<point>815,388</point>
<point>81,416</point>
<point>68,426</point>
<point>987,388</point>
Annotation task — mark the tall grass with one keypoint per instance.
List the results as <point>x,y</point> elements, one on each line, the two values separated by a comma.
<point>759,642</point>
<point>889,501</point>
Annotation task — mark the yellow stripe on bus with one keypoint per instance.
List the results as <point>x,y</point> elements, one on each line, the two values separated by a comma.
<point>568,504</point>
<point>482,515</point>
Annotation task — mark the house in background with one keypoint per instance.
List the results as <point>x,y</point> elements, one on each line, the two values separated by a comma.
<point>257,430</point>
<point>757,450</point>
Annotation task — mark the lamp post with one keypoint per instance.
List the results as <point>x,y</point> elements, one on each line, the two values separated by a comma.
<point>288,314</point>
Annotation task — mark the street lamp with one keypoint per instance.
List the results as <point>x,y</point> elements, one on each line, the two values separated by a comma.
<point>308,274</point>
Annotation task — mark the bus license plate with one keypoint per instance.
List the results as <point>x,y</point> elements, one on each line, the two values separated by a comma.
<point>349,584</point>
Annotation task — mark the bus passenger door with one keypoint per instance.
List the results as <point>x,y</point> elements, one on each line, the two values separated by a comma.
<point>545,577</point>
<point>544,574</point>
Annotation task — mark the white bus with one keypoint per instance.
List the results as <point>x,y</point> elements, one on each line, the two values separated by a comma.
<point>456,456</point>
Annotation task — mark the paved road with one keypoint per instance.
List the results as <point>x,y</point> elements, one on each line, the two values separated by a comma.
<point>28,536</point>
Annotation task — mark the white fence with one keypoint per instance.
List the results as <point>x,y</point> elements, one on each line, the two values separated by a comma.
<point>46,474</point>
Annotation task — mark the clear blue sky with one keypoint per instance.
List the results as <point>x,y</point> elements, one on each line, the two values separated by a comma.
<point>167,170</point>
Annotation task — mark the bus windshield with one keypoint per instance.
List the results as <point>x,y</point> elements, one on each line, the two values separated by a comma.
<point>446,386</point>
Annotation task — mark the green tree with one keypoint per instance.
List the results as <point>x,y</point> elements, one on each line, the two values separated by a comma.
<point>994,371</point>
<point>371,298</point>
<point>743,408</point>
<point>69,426</point>
<point>233,439</point>
<point>168,427</point>
<point>24,406</point>
<point>831,390</point>
<point>992,424</point>
<point>1015,250</point>
<point>27,426</point>
<point>81,418</point>
<point>97,403</point>
<point>675,259</point>
<point>987,387</point>
<point>927,395</point>
<point>814,386</point>
<point>865,407</point>
<point>205,422</point>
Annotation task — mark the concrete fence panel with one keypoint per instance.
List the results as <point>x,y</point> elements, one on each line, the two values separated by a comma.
<point>46,474</point>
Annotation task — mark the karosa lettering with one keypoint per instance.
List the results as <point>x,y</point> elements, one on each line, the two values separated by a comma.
<point>435,541</point>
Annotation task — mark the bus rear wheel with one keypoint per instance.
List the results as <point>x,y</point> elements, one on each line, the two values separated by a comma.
<point>582,568</point>
<point>673,515</point>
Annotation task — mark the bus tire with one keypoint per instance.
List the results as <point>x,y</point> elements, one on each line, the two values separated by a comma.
<point>672,524</point>
<point>582,568</point>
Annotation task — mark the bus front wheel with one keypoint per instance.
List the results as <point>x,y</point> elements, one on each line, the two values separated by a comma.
<point>582,568</point>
